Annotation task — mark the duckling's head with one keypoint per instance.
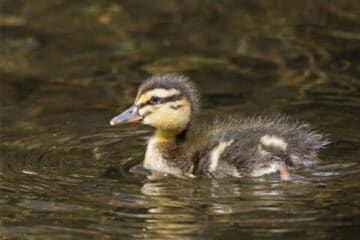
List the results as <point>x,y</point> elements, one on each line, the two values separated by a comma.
<point>167,102</point>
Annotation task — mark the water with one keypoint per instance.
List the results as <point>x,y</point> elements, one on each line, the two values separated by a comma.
<point>67,67</point>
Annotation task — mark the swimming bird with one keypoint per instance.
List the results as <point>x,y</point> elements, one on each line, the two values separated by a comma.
<point>224,147</point>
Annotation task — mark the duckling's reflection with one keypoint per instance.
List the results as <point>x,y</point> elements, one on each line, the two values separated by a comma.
<point>172,215</point>
<point>184,207</point>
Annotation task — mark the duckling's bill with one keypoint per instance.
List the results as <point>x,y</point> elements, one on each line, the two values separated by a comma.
<point>130,115</point>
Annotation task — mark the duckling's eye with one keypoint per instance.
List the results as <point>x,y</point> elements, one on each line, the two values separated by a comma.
<point>154,100</point>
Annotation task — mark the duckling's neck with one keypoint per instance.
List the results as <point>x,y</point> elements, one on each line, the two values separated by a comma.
<point>168,135</point>
<point>175,137</point>
<point>163,154</point>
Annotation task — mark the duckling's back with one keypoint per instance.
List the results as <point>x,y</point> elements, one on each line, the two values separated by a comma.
<point>252,147</point>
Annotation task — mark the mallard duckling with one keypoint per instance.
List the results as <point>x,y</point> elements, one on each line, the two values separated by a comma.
<point>224,148</point>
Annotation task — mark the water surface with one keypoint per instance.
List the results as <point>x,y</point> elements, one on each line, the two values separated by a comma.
<point>67,67</point>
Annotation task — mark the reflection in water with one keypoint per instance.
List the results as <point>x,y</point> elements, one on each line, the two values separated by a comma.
<point>202,207</point>
<point>65,66</point>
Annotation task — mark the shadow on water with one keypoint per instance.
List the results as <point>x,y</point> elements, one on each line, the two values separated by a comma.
<point>68,66</point>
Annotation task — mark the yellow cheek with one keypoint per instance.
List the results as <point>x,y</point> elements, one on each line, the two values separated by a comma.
<point>172,119</point>
<point>168,118</point>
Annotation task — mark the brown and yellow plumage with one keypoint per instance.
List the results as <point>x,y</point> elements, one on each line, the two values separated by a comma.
<point>225,147</point>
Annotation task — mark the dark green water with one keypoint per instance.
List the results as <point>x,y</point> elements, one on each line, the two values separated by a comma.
<point>67,67</point>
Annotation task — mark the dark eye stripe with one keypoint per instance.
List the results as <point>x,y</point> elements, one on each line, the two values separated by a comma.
<point>163,100</point>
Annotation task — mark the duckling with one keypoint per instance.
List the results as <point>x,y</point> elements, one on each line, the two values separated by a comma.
<point>226,147</point>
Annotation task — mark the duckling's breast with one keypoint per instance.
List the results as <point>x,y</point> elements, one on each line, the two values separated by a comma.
<point>157,159</point>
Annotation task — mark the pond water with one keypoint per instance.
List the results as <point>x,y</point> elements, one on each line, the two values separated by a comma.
<point>67,67</point>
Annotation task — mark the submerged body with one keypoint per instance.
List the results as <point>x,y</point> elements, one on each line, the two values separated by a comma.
<point>224,148</point>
